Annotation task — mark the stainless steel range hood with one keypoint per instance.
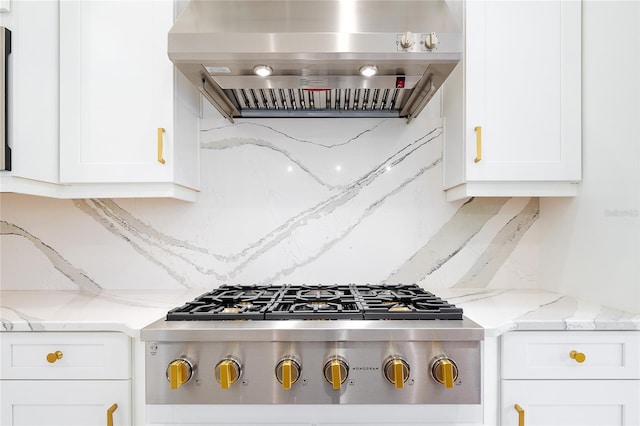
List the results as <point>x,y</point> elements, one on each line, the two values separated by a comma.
<point>316,51</point>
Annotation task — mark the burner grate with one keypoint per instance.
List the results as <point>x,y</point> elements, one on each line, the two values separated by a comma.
<point>322,302</point>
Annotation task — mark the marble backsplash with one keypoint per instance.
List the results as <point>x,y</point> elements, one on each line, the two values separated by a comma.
<point>282,201</point>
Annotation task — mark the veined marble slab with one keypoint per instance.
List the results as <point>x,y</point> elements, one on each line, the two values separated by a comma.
<point>127,311</point>
<point>497,310</point>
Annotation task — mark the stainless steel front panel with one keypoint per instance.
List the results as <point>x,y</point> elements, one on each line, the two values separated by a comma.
<point>365,383</point>
<point>365,345</point>
<point>312,331</point>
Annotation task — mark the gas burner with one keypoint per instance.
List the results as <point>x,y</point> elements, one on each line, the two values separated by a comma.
<point>321,294</point>
<point>314,310</point>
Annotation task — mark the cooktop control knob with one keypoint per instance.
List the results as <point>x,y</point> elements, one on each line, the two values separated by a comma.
<point>228,371</point>
<point>288,371</point>
<point>396,370</point>
<point>444,371</point>
<point>336,371</point>
<point>406,41</point>
<point>431,41</point>
<point>179,372</point>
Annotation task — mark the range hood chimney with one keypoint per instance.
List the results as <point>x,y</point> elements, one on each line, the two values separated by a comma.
<point>316,58</point>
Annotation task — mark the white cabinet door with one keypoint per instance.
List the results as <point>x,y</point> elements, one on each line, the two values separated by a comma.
<point>571,402</point>
<point>120,119</point>
<point>116,91</point>
<point>33,100</point>
<point>65,403</point>
<point>512,108</point>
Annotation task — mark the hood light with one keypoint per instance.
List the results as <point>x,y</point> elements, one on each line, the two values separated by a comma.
<point>368,70</point>
<point>263,70</point>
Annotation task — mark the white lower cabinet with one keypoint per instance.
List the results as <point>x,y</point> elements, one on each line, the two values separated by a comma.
<point>70,378</point>
<point>66,403</point>
<point>577,378</point>
<point>571,402</point>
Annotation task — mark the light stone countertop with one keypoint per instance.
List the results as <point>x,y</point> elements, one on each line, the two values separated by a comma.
<point>497,310</point>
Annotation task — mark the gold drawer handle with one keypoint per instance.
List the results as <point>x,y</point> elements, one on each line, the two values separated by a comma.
<point>578,356</point>
<point>110,412</point>
<point>54,356</point>
<point>520,414</point>
<point>160,136</point>
<point>478,130</point>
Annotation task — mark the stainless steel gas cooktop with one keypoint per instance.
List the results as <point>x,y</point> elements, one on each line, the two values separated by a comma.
<point>337,344</point>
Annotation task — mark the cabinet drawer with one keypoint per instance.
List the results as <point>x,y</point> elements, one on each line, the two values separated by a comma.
<point>547,355</point>
<point>79,355</point>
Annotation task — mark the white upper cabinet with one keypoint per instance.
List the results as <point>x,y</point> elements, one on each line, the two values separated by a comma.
<point>513,106</point>
<point>32,92</point>
<point>95,107</point>
<point>125,119</point>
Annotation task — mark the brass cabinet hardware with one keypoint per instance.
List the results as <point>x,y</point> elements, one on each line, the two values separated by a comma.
<point>520,414</point>
<point>110,412</point>
<point>578,356</point>
<point>478,130</point>
<point>160,137</point>
<point>54,356</point>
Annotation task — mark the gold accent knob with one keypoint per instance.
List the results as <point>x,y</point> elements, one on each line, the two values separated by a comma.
<point>110,412</point>
<point>520,414</point>
<point>288,372</point>
<point>179,372</point>
<point>444,371</point>
<point>578,356</point>
<point>336,371</point>
<point>396,370</point>
<point>228,371</point>
<point>54,356</point>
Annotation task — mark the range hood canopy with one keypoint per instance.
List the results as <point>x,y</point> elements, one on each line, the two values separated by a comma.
<point>313,55</point>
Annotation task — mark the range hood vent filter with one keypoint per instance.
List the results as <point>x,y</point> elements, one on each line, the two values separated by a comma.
<point>316,50</point>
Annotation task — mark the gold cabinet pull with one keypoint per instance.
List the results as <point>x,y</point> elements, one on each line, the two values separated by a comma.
<point>478,130</point>
<point>578,356</point>
<point>110,412</point>
<point>54,356</point>
<point>520,414</point>
<point>160,137</point>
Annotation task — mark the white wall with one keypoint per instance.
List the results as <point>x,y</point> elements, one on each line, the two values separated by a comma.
<point>592,243</point>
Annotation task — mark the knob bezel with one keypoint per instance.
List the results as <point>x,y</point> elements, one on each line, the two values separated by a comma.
<point>436,373</point>
<point>344,369</point>
<point>191,368</point>
<point>387,368</point>
<point>297,369</point>
<point>236,367</point>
